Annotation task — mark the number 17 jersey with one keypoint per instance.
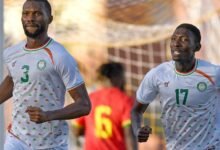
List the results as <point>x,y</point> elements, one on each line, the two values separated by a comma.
<point>189,103</point>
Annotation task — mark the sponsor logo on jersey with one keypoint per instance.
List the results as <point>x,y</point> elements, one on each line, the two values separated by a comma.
<point>41,64</point>
<point>201,86</point>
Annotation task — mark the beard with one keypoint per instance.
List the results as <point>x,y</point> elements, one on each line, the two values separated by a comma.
<point>35,34</point>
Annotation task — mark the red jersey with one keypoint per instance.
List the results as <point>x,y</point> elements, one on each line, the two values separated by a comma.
<point>109,115</point>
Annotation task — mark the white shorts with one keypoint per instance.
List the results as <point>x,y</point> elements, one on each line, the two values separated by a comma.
<point>13,143</point>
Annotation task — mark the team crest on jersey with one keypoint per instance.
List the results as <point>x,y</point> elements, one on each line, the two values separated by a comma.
<point>41,64</point>
<point>201,86</point>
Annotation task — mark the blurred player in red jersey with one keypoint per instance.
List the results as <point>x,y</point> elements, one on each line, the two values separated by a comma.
<point>108,127</point>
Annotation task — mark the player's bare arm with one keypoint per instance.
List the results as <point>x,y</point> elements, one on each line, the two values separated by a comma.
<point>130,140</point>
<point>6,89</point>
<point>77,132</point>
<point>141,133</point>
<point>80,107</point>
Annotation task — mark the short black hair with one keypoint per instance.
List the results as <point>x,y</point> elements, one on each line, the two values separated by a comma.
<point>114,71</point>
<point>46,4</point>
<point>193,29</point>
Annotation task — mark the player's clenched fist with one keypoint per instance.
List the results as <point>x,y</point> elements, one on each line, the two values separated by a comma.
<point>143,133</point>
<point>36,114</point>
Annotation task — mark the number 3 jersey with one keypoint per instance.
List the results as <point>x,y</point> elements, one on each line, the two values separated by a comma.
<point>189,103</point>
<point>41,77</point>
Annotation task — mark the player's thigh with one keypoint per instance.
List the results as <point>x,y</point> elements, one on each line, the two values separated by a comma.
<point>12,143</point>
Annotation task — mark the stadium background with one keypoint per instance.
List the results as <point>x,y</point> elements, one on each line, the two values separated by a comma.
<point>133,32</point>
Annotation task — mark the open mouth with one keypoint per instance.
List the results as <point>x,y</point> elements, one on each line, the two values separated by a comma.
<point>176,52</point>
<point>31,28</point>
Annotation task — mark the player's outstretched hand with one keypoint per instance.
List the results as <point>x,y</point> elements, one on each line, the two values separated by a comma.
<point>36,114</point>
<point>143,133</point>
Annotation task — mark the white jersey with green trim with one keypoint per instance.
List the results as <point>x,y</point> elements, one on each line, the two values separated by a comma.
<point>189,103</point>
<point>41,77</point>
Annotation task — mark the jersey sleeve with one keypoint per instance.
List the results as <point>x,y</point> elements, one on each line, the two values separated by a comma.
<point>126,117</point>
<point>217,78</point>
<point>5,61</point>
<point>148,90</point>
<point>69,72</point>
<point>79,122</point>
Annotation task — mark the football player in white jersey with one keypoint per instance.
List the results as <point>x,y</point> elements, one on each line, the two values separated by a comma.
<point>40,71</point>
<point>187,90</point>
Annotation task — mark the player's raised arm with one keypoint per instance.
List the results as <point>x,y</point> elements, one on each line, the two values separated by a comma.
<point>6,89</point>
